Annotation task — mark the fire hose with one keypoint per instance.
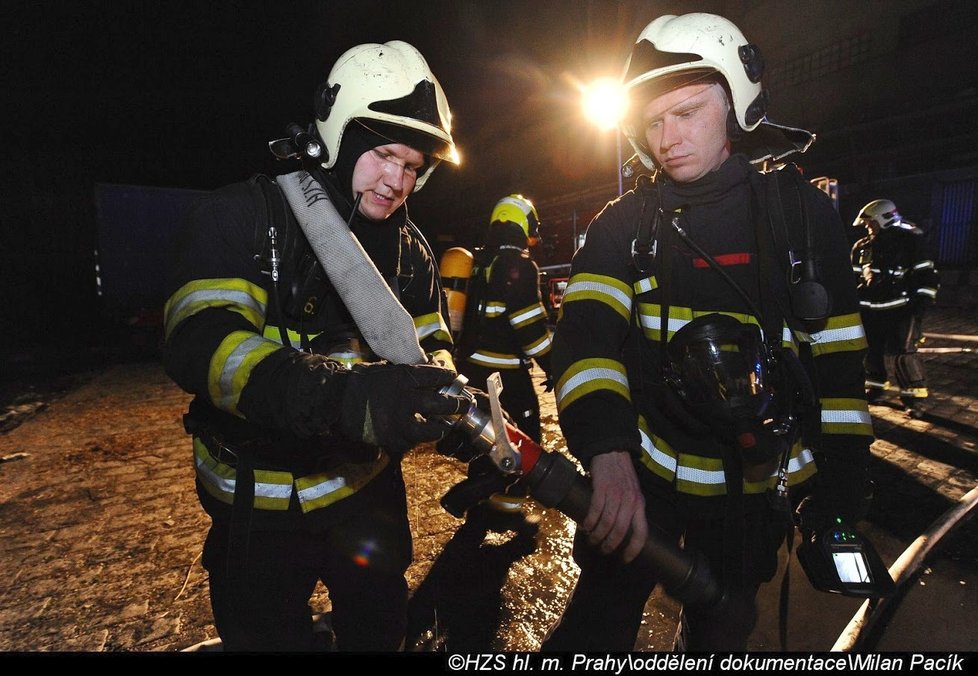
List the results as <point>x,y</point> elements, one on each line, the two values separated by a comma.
<point>553,481</point>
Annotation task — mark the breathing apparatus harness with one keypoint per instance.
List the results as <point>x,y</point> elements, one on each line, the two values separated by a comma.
<point>771,365</point>
<point>737,379</point>
<point>755,393</point>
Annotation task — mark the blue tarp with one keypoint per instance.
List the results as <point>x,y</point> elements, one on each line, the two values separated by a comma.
<point>136,227</point>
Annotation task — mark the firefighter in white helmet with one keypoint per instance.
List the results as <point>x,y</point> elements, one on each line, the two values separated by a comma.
<point>684,256</point>
<point>298,425</point>
<point>897,282</point>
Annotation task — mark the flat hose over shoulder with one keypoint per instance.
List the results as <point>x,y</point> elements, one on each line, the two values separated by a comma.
<point>385,324</point>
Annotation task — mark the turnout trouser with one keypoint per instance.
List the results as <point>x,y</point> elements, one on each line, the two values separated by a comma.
<point>260,598</point>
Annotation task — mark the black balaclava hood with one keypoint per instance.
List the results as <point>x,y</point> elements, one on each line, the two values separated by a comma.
<point>382,243</point>
<point>357,140</point>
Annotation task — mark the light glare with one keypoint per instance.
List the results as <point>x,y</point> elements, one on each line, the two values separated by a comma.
<point>604,102</point>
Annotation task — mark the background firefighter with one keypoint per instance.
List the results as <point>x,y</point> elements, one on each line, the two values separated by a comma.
<point>505,327</point>
<point>298,426</point>
<point>897,282</point>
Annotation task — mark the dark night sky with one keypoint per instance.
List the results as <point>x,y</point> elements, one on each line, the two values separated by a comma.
<point>186,94</point>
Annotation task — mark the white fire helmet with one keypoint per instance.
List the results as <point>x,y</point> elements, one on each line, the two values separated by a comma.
<point>673,51</point>
<point>882,212</point>
<point>390,89</point>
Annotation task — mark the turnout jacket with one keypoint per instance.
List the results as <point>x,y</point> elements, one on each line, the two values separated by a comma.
<point>511,320</point>
<point>256,397</point>
<point>894,270</point>
<point>606,355</point>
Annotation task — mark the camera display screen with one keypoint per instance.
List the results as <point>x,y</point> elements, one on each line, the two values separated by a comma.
<point>851,567</point>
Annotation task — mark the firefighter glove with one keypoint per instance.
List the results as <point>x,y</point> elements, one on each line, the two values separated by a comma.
<point>397,406</point>
<point>548,383</point>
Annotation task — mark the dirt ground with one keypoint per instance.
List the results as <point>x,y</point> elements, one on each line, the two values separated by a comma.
<point>101,532</point>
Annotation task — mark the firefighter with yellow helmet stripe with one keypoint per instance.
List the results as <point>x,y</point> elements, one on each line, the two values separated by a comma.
<point>298,426</point>
<point>505,326</point>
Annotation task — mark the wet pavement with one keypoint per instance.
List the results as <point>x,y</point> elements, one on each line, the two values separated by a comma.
<point>100,530</point>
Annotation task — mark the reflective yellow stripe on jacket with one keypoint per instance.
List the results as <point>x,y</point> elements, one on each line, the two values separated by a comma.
<point>528,315</point>
<point>607,290</point>
<point>273,489</point>
<point>539,347</point>
<point>704,476</point>
<point>591,375</point>
<point>232,364</point>
<point>650,317</point>
<point>846,416</point>
<point>235,294</point>
<point>432,325</point>
<point>495,360</point>
<point>842,333</point>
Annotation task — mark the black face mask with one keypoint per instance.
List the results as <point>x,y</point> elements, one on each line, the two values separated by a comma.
<point>722,371</point>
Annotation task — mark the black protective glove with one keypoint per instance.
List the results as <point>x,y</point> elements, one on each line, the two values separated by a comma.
<point>548,383</point>
<point>395,406</point>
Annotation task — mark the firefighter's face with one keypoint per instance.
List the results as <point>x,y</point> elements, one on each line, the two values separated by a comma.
<point>386,176</point>
<point>686,130</point>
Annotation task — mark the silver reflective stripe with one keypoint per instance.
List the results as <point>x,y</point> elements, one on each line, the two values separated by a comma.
<point>644,285</point>
<point>655,322</point>
<point>535,312</point>
<point>494,309</point>
<point>597,287</point>
<point>801,460</point>
<point>544,344</point>
<point>658,457</point>
<point>231,365</point>
<point>478,356</point>
<point>927,291</point>
<point>321,489</point>
<point>882,306</point>
<point>840,334</point>
<point>588,375</point>
<point>700,476</point>
<point>262,490</point>
<point>240,298</point>
<point>846,416</point>
<point>924,265</point>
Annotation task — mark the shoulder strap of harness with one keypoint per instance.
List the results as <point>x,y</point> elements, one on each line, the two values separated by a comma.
<point>645,244</point>
<point>270,237</point>
<point>794,235</point>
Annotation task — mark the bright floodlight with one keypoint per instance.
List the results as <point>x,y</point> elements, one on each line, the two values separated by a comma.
<point>604,102</point>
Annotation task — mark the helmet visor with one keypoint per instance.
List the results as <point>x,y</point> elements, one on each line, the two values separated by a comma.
<point>428,145</point>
